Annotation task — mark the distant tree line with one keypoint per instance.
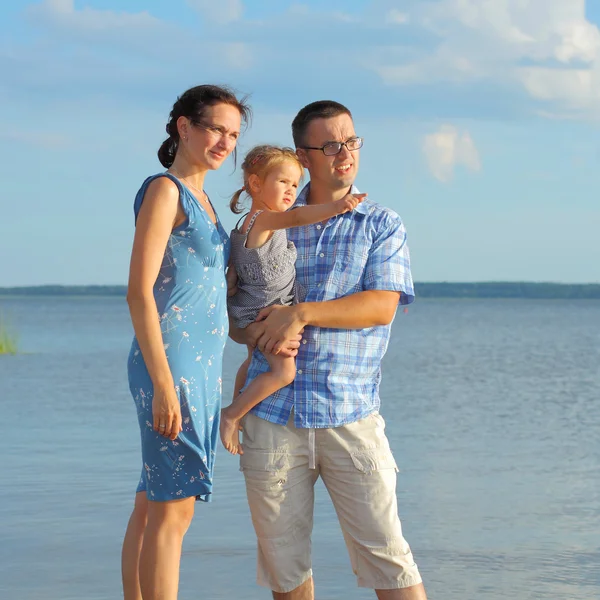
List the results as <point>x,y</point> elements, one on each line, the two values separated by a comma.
<point>583,291</point>
<point>65,290</point>
<point>509,289</point>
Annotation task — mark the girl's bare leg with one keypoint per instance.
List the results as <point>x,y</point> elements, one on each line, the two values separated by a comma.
<point>240,378</point>
<point>282,372</point>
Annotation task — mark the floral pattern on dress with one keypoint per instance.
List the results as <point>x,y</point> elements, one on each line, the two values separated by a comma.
<point>191,298</point>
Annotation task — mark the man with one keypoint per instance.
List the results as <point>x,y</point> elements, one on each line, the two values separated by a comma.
<point>355,269</point>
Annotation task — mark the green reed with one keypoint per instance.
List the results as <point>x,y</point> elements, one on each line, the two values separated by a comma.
<point>8,339</point>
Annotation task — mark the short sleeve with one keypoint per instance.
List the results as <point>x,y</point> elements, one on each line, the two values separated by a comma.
<point>388,264</point>
<point>139,197</point>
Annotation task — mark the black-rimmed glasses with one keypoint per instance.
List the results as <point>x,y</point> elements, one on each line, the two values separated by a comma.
<point>331,148</point>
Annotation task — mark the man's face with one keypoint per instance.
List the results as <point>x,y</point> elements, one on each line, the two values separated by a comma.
<point>336,172</point>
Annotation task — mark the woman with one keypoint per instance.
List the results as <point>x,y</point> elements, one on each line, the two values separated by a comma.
<point>177,300</point>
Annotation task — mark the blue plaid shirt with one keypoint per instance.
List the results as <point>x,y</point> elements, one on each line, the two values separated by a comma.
<point>338,370</point>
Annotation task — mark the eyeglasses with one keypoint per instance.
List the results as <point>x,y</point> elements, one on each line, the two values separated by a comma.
<point>332,148</point>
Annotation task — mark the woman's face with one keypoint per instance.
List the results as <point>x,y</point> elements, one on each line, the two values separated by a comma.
<point>210,140</point>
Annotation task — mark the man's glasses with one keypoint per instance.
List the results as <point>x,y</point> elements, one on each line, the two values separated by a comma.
<point>332,148</point>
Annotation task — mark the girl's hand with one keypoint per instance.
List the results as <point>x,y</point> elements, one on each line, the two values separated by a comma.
<point>349,202</point>
<point>166,412</point>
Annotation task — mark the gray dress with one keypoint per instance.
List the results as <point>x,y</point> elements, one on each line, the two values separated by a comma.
<point>266,275</point>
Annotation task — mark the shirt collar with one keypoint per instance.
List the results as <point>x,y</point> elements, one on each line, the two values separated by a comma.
<point>303,195</point>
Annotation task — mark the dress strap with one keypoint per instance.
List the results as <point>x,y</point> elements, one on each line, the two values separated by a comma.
<point>237,225</point>
<point>139,198</point>
<point>253,218</point>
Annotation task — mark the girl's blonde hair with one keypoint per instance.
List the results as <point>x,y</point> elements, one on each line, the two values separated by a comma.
<point>259,161</point>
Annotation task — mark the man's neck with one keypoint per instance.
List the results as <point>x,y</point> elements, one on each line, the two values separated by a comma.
<point>322,195</point>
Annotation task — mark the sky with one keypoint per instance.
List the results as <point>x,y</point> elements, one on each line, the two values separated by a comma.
<point>481,121</point>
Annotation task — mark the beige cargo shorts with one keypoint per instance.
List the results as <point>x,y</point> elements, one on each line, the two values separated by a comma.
<point>281,465</point>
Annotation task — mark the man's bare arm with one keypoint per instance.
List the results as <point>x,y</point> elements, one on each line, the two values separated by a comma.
<point>252,333</point>
<point>356,311</point>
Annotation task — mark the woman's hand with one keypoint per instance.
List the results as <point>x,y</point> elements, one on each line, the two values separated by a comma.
<point>166,411</point>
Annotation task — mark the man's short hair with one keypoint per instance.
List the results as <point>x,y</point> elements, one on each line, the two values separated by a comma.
<point>322,109</point>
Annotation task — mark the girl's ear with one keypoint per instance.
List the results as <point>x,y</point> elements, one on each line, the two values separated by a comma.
<point>254,184</point>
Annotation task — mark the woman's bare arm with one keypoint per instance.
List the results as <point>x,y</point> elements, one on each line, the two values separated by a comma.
<point>158,214</point>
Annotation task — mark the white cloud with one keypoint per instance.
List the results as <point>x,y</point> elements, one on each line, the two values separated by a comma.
<point>574,88</point>
<point>40,139</point>
<point>142,33</point>
<point>448,148</point>
<point>238,55</point>
<point>491,40</point>
<point>219,11</point>
<point>397,17</point>
<point>63,12</point>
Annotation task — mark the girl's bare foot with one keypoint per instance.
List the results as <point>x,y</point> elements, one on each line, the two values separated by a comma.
<point>230,436</point>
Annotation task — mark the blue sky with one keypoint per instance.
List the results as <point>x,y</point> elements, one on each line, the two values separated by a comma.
<point>481,122</point>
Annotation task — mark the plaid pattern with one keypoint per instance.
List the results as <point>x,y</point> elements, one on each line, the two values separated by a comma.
<point>338,370</point>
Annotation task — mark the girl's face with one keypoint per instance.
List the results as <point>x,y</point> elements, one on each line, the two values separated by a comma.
<point>211,140</point>
<point>277,192</point>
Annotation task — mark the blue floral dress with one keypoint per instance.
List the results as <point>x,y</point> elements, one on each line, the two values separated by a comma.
<point>191,297</point>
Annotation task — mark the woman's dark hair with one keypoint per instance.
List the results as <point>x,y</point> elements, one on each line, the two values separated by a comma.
<point>193,104</point>
<point>322,109</point>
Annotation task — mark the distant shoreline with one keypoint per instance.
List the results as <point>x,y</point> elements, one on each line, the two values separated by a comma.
<point>486,289</point>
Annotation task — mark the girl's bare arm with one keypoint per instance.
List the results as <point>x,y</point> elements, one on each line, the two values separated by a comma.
<point>307,215</point>
<point>269,221</point>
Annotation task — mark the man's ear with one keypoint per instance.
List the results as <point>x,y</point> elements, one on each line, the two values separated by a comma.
<point>254,184</point>
<point>303,157</point>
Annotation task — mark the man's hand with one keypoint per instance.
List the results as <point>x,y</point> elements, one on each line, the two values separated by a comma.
<point>280,325</point>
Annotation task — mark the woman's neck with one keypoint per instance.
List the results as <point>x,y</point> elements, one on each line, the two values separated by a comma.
<point>193,174</point>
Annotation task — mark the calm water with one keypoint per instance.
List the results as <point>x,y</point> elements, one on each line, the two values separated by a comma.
<point>493,414</point>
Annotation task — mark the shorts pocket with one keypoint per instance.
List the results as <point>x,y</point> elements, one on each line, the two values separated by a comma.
<point>370,461</point>
<point>264,470</point>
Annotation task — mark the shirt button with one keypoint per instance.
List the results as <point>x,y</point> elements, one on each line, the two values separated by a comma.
<point>321,255</point>
<point>304,341</point>
<point>318,227</point>
<point>299,371</point>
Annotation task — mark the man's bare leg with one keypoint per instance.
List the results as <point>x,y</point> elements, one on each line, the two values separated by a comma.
<point>306,591</point>
<point>414,592</point>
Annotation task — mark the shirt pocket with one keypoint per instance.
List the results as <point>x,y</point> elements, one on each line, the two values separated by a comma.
<point>348,269</point>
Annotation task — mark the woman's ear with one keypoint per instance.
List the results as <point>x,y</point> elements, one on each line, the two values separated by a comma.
<point>183,126</point>
<point>254,184</point>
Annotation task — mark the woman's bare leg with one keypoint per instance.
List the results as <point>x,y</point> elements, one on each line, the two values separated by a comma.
<point>160,556</point>
<point>132,546</point>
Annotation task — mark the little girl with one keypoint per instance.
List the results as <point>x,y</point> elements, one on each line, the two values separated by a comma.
<point>264,261</point>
